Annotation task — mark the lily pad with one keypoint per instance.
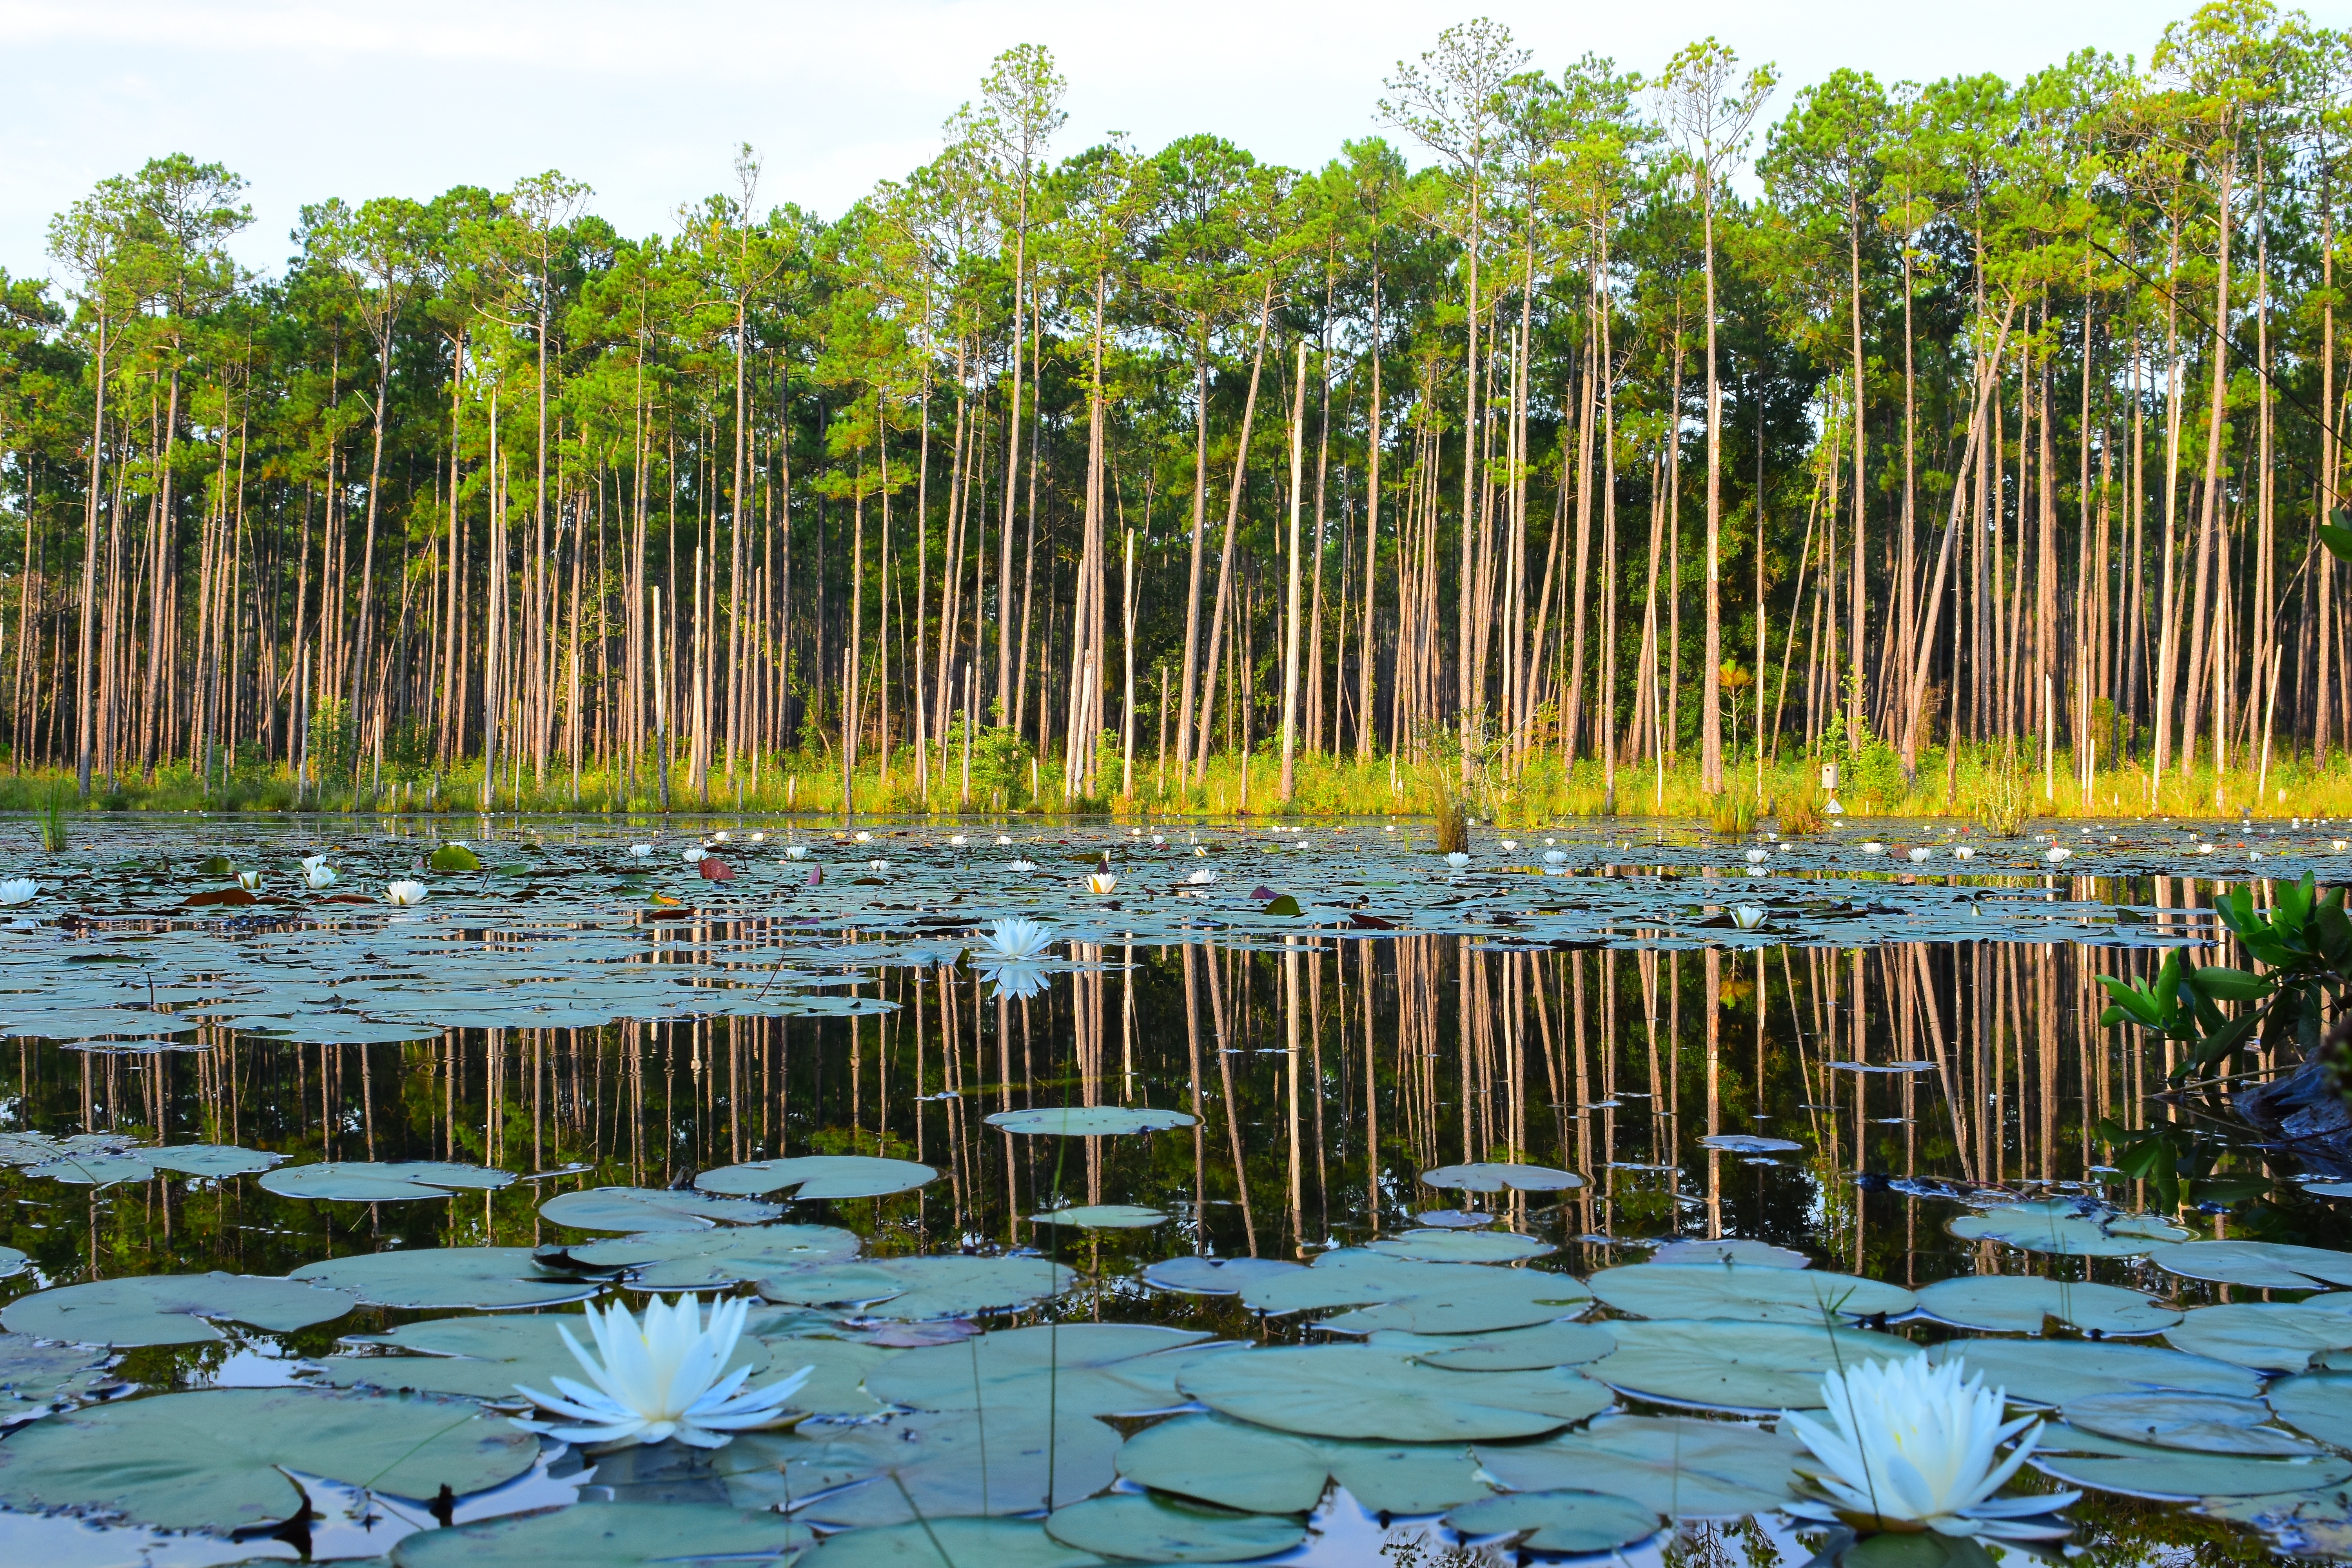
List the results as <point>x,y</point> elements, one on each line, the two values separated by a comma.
<point>37,1378</point>
<point>1355,1392</point>
<point>12,1261</point>
<point>1089,1120</point>
<point>1102,1216</point>
<point>455,857</point>
<point>2271,1265</point>
<point>2200,1423</point>
<point>950,1462</point>
<point>2265,1335</point>
<point>2175,1475</point>
<point>2316,1403</point>
<point>1754,1254</point>
<point>948,1543</point>
<point>915,1287</point>
<point>609,1535</point>
<point>1569,1521</point>
<point>1476,1301</point>
<point>2022,1303</point>
<point>1214,1275</point>
<point>1235,1464</point>
<point>214,1459</point>
<point>1676,1467</point>
<point>1089,1369</point>
<point>1157,1530</point>
<point>445,1277</point>
<point>216,1161</point>
<point>1460,1247</point>
<point>380,1181</point>
<point>1497,1177</point>
<point>170,1309</point>
<point>1728,1365</point>
<point>2060,1373</point>
<point>1746,1292</point>
<point>706,1259</point>
<point>818,1177</point>
<point>2069,1229</point>
<point>650,1209</point>
<point>1559,1343</point>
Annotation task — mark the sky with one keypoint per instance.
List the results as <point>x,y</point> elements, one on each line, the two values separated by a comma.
<point>646,103</point>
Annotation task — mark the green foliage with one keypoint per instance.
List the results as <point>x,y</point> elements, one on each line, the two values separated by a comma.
<point>1733,813</point>
<point>54,835</point>
<point>334,740</point>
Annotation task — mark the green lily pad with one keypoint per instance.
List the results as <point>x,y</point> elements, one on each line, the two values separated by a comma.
<point>1352,1277</point>
<point>36,1378</point>
<point>1460,1247</point>
<point>1355,1392</point>
<point>2267,1335</point>
<point>2060,1373</point>
<point>2019,1304</point>
<point>1718,1364</point>
<point>455,857</point>
<point>1102,1216</point>
<point>1569,1521</point>
<point>214,1459</point>
<point>1735,1249</point>
<point>1676,1467</point>
<point>951,1462</point>
<point>2316,1403</point>
<point>708,1259</point>
<point>609,1535</point>
<point>170,1309</point>
<point>948,1543</point>
<point>2175,1475</point>
<point>650,1209</point>
<point>2063,1227</point>
<point>380,1181</point>
<point>1089,1120</point>
<point>39,1148</point>
<point>1090,1369</point>
<point>445,1278</point>
<point>12,1261</point>
<point>2270,1265</point>
<point>1159,1530</point>
<point>1743,1291</point>
<point>1418,1296</point>
<point>819,1176</point>
<point>1214,1275</point>
<point>1559,1343</point>
<point>1235,1464</point>
<point>908,1288</point>
<point>1493,1176</point>
<point>2202,1423</point>
<point>94,1170</point>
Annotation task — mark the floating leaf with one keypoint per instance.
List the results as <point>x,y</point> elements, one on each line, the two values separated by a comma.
<point>1473,1301</point>
<point>12,1261</point>
<point>819,1176</point>
<point>2060,1373</point>
<point>1089,1120</point>
<point>706,1259</point>
<point>948,1543</point>
<point>170,1309</point>
<point>1680,1468</point>
<point>1350,1391</point>
<point>1569,1521</point>
<point>1754,1254</point>
<point>380,1181</point>
<point>1093,1369</point>
<point>214,1459</point>
<point>36,1378</point>
<point>1235,1464</point>
<point>915,1287</point>
<point>1460,1247</point>
<point>648,1209</point>
<point>1102,1216</point>
<point>1747,1143</point>
<point>1282,904</point>
<point>1727,1366</point>
<point>1492,1177</point>
<point>2175,1475</point>
<point>2317,1403</point>
<point>2020,1304</point>
<point>2068,1229</point>
<point>455,857</point>
<point>443,1278</point>
<point>1160,1531</point>
<point>2202,1423</point>
<point>609,1535</point>
<point>1515,1350</point>
<point>2265,1335</point>
<point>1746,1292</point>
<point>2270,1265</point>
<point>950,1461</point>
<point>1214,1275</point>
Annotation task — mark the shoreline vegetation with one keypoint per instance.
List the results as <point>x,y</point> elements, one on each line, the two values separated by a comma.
<point>1979,786</point>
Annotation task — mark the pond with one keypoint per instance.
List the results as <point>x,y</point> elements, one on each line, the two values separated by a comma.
<point>1294,1195</point>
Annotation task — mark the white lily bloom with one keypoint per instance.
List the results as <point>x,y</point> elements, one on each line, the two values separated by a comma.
<point>862,838</point>
<point>1018,940</point>
<point>1157,841</point>
<point>795,851</point>
<point>758,839</point>
<point>1963,853</point>
<point>1757,857</point>
<point>1100,882</point>
<point>1921,853</point>
<point>1748,917</point>
<point>249,880</point>
<point>1022,866</point>
<point>1456,859</point>
<point>1202,877</point>
<point>1509,843</point>
<point>18,891</point>
<point>720,836</point>
<point>879,867</point>
<point>311,860</point>
<point>1914,1448</point>
<point>1555,857</point>
<point>404,893</point>
<point>665,1378</point>
<point>316,876</point>
<point>958,842</point>
<point>1874,848</point>
<point>694,856</point>
<point>2056,852</point>
<point>641,849</point>
<point>1002,839</point>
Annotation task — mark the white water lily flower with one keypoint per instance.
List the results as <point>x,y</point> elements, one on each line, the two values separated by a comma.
<point>1874,848</point>
<point>2204,849</point>
<point>862,838</point>
<point>1157,841</point>
<point>1456,859</point>
<point>958,842</point>
<point>641,850</point>
<point>1963,853</point>
<point>2056,852</point>
<point>1018,940</point>
<point>1757,857</point>
<point>796,852</point>
<point>18,891</point>
<point>309,861</point>
<point>1916,1448</point>
<point>1555,857</point>
<point>694,856</point>
<point>404,893</point>
<point>1510,844</point>
<point>665,1378</point>
<point>1100,882</point>
<point>879,867</point>
<point>1920,853</point>
<point>249,880</point>
<point>1002,839</point>
<point>1202,877</point>
<point>758,839</point>
<point>1022,866</point>
<point>720,836</point>
<point>1748,917</point>
<point>316,876</point>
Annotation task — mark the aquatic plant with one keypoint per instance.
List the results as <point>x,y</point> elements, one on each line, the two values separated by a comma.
<point>1450,816</point>
<point>52,821</point>
<point>1912,1448</point>
<point>1732,814</point>
<point>1017,939</point>
<point>404,893</point>
<point>18,891</point>
<point>1101,883</point>
<point>1801,814</point>
<point>662,1378</point>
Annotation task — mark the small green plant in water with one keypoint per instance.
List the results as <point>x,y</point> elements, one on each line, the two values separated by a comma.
<point>1733,813</point>
<point>2003,801</point>
<point>53,822</point>
<point>1451,817</point>
<point>1801,813</point>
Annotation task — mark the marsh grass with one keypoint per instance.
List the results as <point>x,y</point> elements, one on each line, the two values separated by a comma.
<point>1801,813</point>
<point>1733,815</point>
<point>54,834</point>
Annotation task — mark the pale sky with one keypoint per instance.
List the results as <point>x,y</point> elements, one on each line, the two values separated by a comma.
<point>646,102</point>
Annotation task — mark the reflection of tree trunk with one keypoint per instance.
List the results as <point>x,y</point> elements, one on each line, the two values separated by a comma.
<point>1232,1104</point>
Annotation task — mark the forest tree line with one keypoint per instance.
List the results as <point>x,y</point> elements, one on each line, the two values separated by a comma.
<point>1587,419</point>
